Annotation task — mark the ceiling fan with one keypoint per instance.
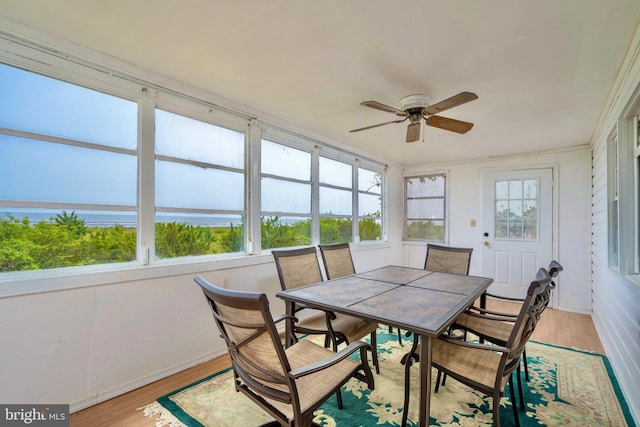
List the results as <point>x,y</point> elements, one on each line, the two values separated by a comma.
<point>417,107</point>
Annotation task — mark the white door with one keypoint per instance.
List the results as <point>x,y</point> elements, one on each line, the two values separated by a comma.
<point>517,228</point>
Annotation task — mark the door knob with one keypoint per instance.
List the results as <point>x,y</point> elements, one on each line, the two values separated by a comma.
<point>486,243</point>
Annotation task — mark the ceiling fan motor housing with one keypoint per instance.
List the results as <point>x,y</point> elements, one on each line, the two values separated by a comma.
<point>417,102</point>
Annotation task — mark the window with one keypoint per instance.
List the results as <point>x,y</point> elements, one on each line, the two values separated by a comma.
<point>636,161</point>
<point>199,187</point>
<point>286,196</point>
<point>613,190</point>
<point>623,165</point>
<point>308,196</point>
<point>425,207</point>
<point>99,168</point>
<point>68,164</point>
<point>369,205</point>
<point>336,201</point>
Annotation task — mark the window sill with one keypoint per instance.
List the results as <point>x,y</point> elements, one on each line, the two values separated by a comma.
<point>633,280</point>
<point>39,281</point>
<point>56,279</point>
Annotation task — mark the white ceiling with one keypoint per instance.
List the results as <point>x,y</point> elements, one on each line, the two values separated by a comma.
<point>542,69</point>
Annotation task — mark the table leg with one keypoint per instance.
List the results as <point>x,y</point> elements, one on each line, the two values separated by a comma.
<point>288,331</point>
<point>425,380</point>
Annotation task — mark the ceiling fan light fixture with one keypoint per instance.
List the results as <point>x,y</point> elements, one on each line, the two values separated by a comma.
<point>414,101</point>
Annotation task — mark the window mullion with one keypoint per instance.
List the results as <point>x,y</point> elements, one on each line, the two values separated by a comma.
<point>254,189</point>
<point>315,197</point>
<point>146,180</point>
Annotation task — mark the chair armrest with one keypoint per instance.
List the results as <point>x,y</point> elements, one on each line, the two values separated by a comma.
<point>490,314</point>
<point>332,360</point>
<point>478,346</point>
<point>285,317</point>
<point>504,298</point>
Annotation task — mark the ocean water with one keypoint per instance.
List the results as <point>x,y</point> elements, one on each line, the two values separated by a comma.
<point>126,219</point>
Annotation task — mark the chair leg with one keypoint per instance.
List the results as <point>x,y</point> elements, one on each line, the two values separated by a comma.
<point>520,390</point>
<point>526,368</point>
<point>407,388</point>
<point>374,352</point>
<point>514,405</point>
<point>438,381</point>
<point>496,409</point>
<point>339,398</point>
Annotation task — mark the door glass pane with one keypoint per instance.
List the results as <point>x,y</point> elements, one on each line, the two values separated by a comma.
<point>502,190</point>
<point>530,189</point>
<point>516,210</point>
<point>515,190</point>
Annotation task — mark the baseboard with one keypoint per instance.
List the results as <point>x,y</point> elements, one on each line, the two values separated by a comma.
<point>141,382</point>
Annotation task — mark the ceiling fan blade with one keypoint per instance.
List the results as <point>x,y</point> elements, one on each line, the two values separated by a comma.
<point>446,123</point>
<point>454,101</point>
<point>380,124</point>
<point>379,106</point>
<point>413,132</point>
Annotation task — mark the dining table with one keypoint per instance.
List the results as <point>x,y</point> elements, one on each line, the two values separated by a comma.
<point>419,301</point>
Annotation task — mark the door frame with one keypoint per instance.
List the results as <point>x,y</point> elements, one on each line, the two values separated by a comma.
<point>554,210</point>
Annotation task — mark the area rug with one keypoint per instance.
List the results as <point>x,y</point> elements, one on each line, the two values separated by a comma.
<point>565,387</point>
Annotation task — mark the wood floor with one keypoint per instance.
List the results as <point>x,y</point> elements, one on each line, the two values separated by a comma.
<point>556,327</point>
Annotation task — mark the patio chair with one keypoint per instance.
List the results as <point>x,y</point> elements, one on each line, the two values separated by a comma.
<point>495,327</point>
<point>337,260</point>
<point>487,368</point>
<point>299,267</point>
<point>446,259</point>
<point>289,384</point>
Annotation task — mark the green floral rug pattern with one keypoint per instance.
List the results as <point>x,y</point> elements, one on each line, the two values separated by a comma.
<point>566,388</point>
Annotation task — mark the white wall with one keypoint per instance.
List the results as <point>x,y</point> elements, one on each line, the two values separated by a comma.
<point>572,216</point>
<point>616,298</point>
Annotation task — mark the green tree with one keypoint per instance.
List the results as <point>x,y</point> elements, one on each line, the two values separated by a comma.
<point>72,222</point>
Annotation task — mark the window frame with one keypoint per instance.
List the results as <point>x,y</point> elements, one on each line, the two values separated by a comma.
<point>205,114</point>
<point>299,142</point>
<point>190,102</point>
<point>627,177</point>
<point>406,178</point>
